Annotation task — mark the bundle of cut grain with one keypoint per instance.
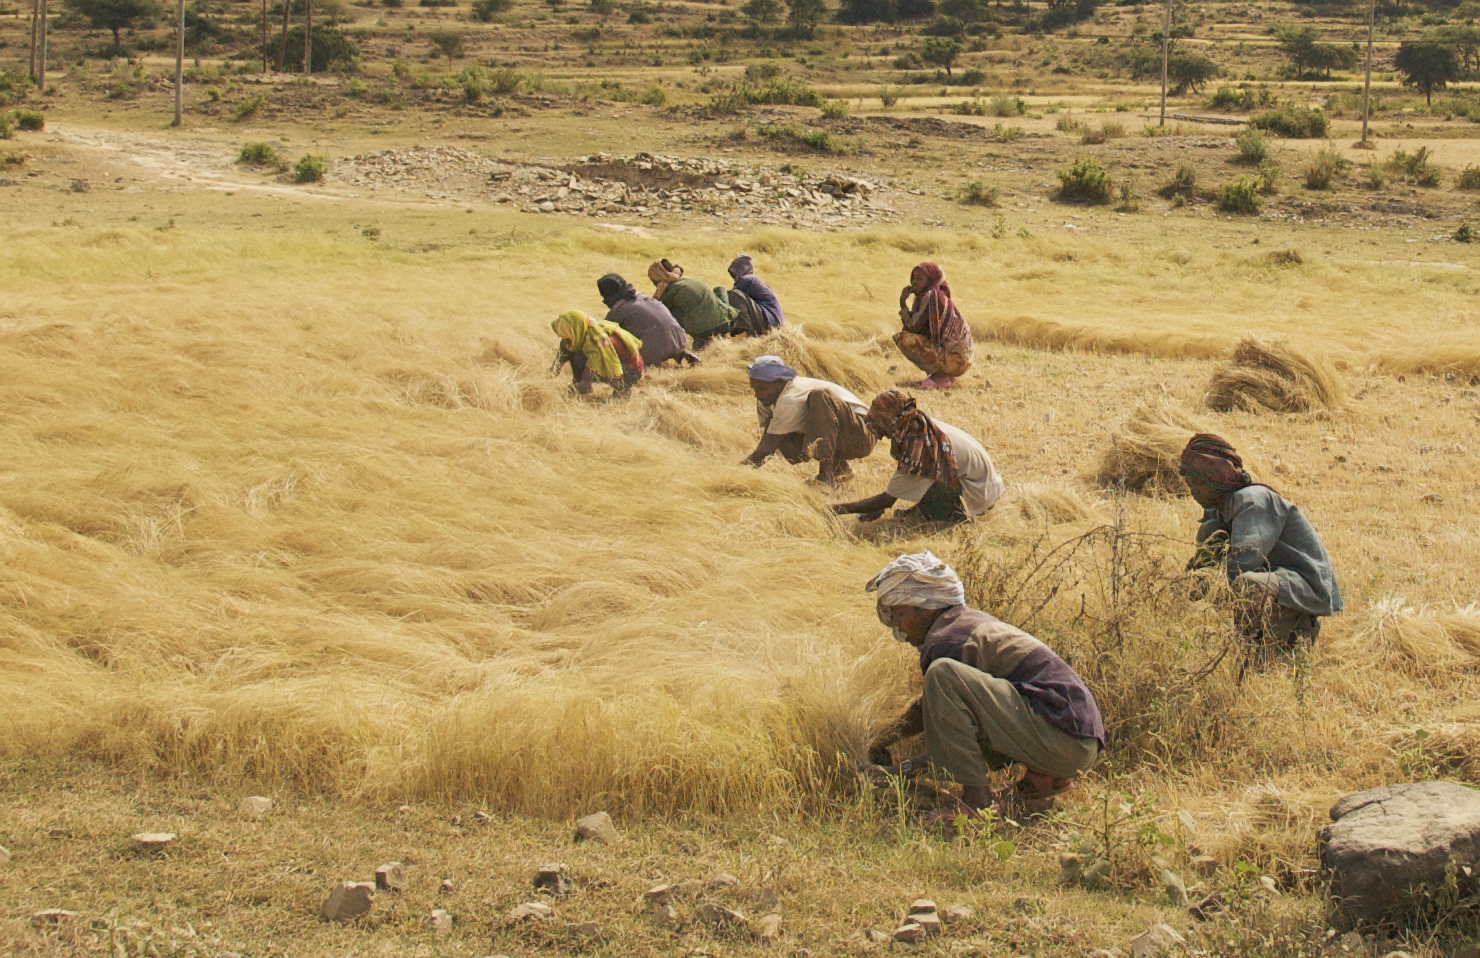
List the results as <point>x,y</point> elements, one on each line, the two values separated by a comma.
<point>1051,504</point>
<point>1144,453</point>
<point>1397,635</point>
<point>1262,375</point>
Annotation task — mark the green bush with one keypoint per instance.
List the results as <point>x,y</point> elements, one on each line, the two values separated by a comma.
<point>790,134</point>
<point>310,168</point>
<point>486,10</point>
<point>259,154</point>
<point>835,110</point>
<point>1253,145</point>
<point>1109,130</point>
<point>1267,180</point>
<point>888,96</point>
<point>977,193</point>
<point>1228,98</point>
<point>1376,176</point>
<point>1464,234</point>
<point>30,120</point>
<point>1414,167</point>
<point>1240,195</point>
<point>1294,123</point>
<point>654,96</point>
<point>7,128</point>
<point>761,72</point>
<point>1469,178</point>
<point>251,106</point>
<point>1005,104</point>
<point>1068,123</point>
<point>1183,182</point>
<point>1085,182</point>
<point>1324,167</point>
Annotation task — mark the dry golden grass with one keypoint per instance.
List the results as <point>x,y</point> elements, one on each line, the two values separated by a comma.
<point>1396,635</point>
<point>1274,376</point>
<point>1143,454</point>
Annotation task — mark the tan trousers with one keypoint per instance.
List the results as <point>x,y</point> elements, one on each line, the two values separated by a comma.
<point>934,360</point>
<point>834,431</point>
<point>975,722</point>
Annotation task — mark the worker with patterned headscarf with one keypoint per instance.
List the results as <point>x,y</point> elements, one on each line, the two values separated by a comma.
<point>703,311</point>
<point>1272,555</point>
<point>807,419</point>
<point>598,352</point>
<point>947,473</point>
<point>992,696</point>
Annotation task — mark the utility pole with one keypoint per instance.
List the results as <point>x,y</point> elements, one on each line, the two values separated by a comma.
<point>179,63</point>
<point>1166,53</point>
<point>264,36</point>
<point>307,37</point>
<point>31,57</point>
<point>1367,83</point>
<point>283,43</point>
<point>41,53</point>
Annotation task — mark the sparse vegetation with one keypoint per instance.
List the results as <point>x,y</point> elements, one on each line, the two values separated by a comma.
<point>259,154</point>
<point>1240,195</point>
<point>30,120</point>
<point>978,193</point>
<point>1253,145</point>
<point>310,168</point>
<point>1183,182</point>
<point>1415,167</point>
<point>1324,167</point>
<point>1086,182</point>
<point>794,135</point>
<point>1294,122</point>
<point>1468,179</point>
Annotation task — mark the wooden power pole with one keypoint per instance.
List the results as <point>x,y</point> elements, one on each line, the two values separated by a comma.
<point>283,42</point>
<point>179,63</point>
<point>1367,83</point>
<point>307,37</point>
<point>41,53</point>
<point>1166,53</point>
<point>31,57</point>
<point>264,36</point>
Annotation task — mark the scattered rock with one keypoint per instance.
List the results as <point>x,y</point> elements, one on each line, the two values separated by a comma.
<point>1351,943</point>
<point>956,913</point>
<point>666,917</point>
<point>922,906</point>
<point>1385,843</point>
<point>1209,908</point>
<point>1269,885</point>
<point>255,806</point>
<point>584,930</point>
<point>81,186</point>
<point>153,841</point>
<point>1156,941</point>
<point>553,878</point>
<point>1205,866</point>
<point>390,877</point>
<point>440,921</point>
<point>767,928</point>
<point>596,828</point>
<point>930,922</point>
<point>910,933</point>
<point>1176,888</point>
<point>658,893</point>
<point>347,901</point>
<point>718,916</point>
<point>53,916</point>
<point>531,910</point>
<point>723,881</point>
<point>875,936</point>
<point>4,855</point>
<point>447,886</point>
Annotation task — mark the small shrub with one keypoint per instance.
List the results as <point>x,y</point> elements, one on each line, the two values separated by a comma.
<point>1128,199</point>
<point>1464,234</point>
<point>123,90</point>
<point>654,96</point>
<point>251,106</point>
<point>1469,178</point>
<point>1253,145</point>
<point>834,110</point>
<point>12,158</point>
<point>1240,195</point>
<point>1183,182</point>
<point>1085,182</point>
<point>888,96</point>
<point>1109,130</point>
<point>7,128</point>
<point>1294,123</point>
<point>472,89</point>
<point>1324,167</point>
<point>1267,180</point>
<point>1068,123</point>
<point>761,72</point>
<point>638,15</point>
<point>30,120</point>
<point>977,193</point>
<point>790,134</point>
<point>1005,104</point>
<point>1414,167</point>
<point>503,81</point>
<point>310,168</point>
<point>259,154</point>
<point>356,87</point>
<point>1376,176</point>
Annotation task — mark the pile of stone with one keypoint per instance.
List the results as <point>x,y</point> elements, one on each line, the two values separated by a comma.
<point>627,187</point>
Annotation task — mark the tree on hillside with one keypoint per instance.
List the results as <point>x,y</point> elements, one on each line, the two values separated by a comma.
<point>1426,65</point>
<point>804,15</point>
<point>1188,71</point>
<point>1326,57</point>
<point>866,11</point>
<point>449,44</point>
<point>1464,40</point>
<point>486,10</point>
<point>941,51</point>
<point>1297,43</point>
<point>762,11</point>
<point>114,15</point>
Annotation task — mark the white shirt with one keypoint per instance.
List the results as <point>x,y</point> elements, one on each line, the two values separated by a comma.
<point>981,486</point>
<point>790,412</point>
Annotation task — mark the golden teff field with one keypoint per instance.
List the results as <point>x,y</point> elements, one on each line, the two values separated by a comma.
<point>291,504</point>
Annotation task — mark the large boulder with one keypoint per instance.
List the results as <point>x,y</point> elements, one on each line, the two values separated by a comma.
<point>1388,849</point>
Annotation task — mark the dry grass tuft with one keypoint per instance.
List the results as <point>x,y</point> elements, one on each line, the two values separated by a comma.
<point>1052,504</point>
<point>710,429</point>
<point>1395,635</point>
<point>1035,333</point>
<point>1143,456</point>
<point>1270,375</point>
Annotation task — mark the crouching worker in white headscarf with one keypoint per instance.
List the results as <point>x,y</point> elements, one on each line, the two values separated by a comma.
<point>993,695</point>
<point>807,419</point>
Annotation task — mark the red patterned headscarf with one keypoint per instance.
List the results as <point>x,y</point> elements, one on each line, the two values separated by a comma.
<point>1212,460</point>
<point>919,445</point>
